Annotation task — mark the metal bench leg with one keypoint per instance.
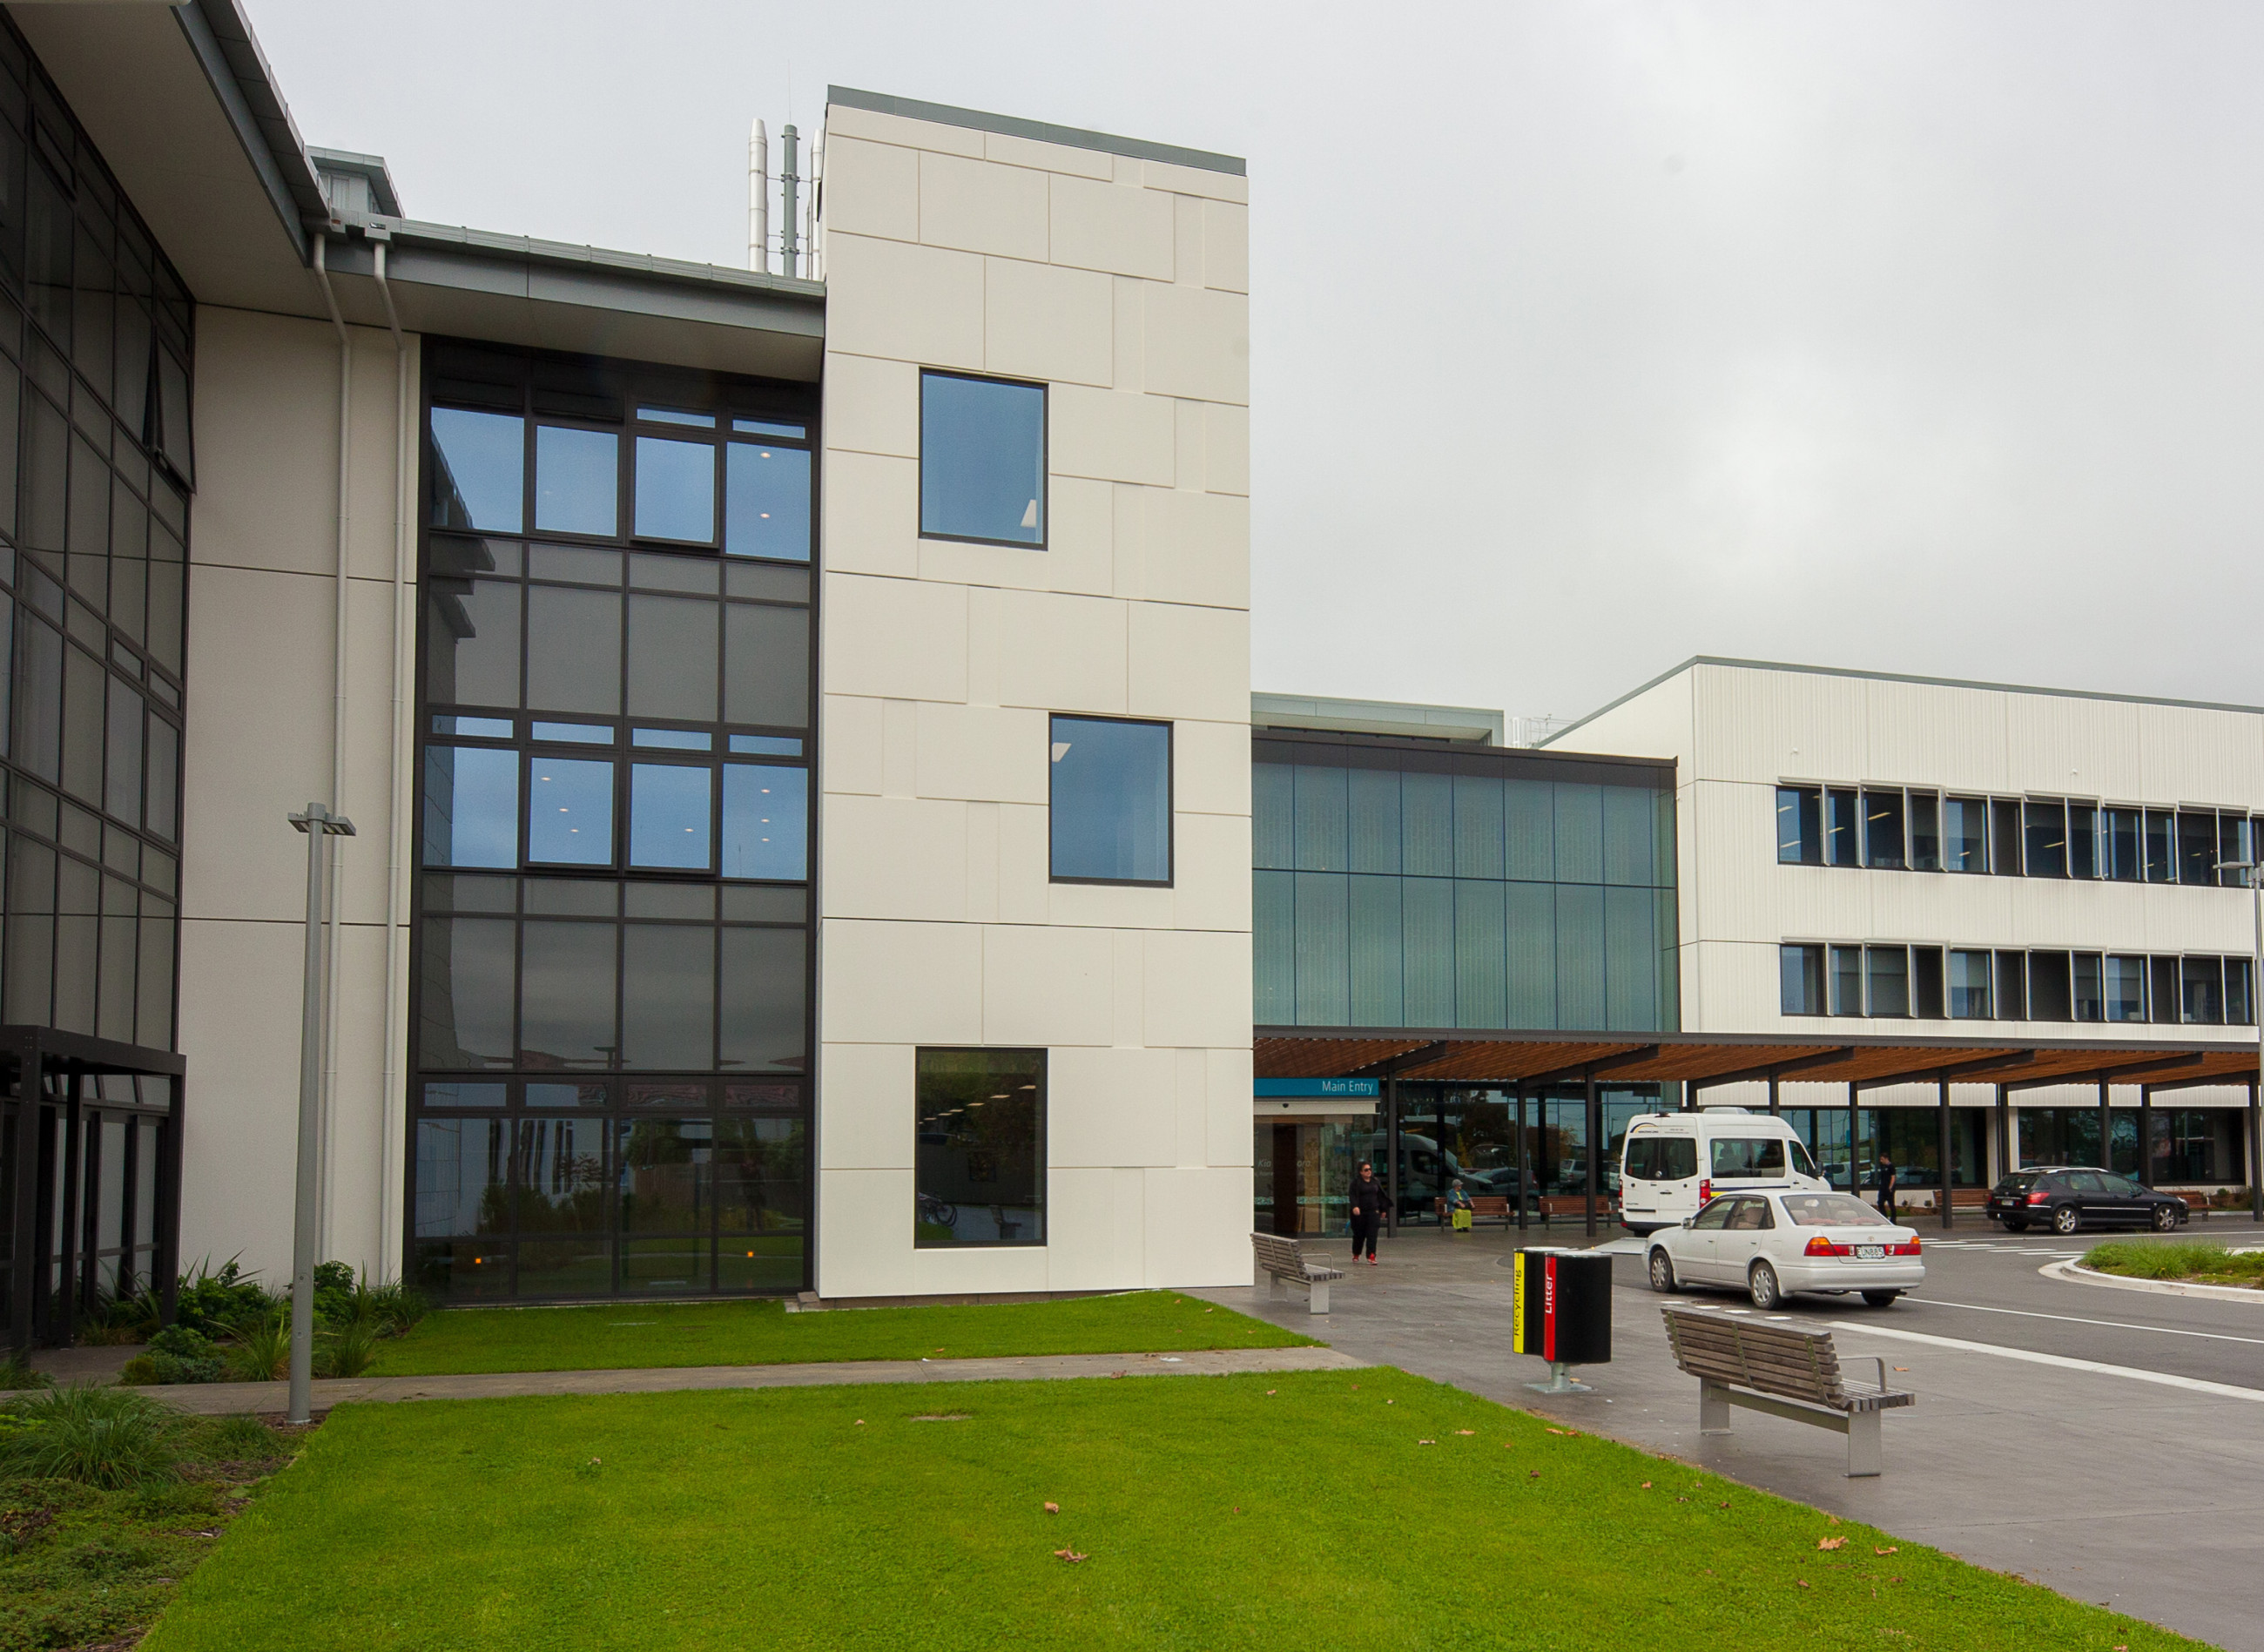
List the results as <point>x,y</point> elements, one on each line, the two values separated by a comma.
<point>1320,1296</point>
<point>1713,1408</point>
<point>1280,1289</point>
<point>1863,1445</point>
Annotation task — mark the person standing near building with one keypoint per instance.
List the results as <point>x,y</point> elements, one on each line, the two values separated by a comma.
<point>1886,1184</point>
<point>1367,1211</point>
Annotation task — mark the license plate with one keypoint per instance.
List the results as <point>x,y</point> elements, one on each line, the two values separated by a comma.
<point>1871,1253</point>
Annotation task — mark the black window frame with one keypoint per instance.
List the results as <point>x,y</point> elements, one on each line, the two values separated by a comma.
<point>1171,802</point>
<point>1044,541</point>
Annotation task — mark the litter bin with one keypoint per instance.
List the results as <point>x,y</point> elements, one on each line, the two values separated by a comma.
<point>1563,1313</point>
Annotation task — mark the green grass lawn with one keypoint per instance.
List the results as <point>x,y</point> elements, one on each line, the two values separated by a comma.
<point>2199,1261</point>
<point>1365,1509</point>
<point>620,1334</point>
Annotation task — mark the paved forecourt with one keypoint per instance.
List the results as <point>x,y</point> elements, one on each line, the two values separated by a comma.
<point>2109,1444</point>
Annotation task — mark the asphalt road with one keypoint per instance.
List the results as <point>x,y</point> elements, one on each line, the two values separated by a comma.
<point>2108,1442</point>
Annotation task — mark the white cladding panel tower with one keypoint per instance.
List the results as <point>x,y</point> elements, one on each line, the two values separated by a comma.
<point>1117,281</point>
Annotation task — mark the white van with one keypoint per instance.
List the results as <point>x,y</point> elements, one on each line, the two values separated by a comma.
<point>1672,1163</point>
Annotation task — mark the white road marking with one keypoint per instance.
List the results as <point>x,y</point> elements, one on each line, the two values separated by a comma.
<point>2071,1319</point>
<point>2192,1384</point>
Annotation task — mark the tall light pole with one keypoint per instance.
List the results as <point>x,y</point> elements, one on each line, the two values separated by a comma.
<point>2255,867</point>
<point>320,826</point>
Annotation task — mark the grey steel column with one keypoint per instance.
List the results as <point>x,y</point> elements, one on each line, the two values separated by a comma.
<point>70,1147</point>
<point>1392,1153</point>
<point>2106,1127</point>
<point>2255,1149</point>
<point>1854,1175</point>
<point>319,824</point>
<point>1524,1161</point>
<point>24,1260</point>
<point>1943,1149</point>
<point>2008,1144</point>
<point>2146,1135</point>
<point>1774,1111</point>
<point>1595,1155</point>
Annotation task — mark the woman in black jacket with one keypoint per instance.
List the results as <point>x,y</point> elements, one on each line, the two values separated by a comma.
<point>1367,1211</point>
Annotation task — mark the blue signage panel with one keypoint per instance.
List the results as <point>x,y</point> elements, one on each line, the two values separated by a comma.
<point>1320,1086</point>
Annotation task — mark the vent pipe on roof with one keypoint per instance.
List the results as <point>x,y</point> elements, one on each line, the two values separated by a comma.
<point>789,208</point>
<point>758,199</point>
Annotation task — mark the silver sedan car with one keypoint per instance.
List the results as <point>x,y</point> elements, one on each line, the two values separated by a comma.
<point>1771,1245</point>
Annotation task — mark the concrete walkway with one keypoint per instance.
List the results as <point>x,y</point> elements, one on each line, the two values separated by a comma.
<point>219,1398</point>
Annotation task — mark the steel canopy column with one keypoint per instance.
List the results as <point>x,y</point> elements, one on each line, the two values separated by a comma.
<point>2008,1147</point>
<point>24,1261</point>
<point>1525,1158</point>
<point>1774,1111</point>
<point>1392,1153</point>
<point>2106,1127</point>
<point>1854,1175</point>
<point>2255,1151</point>
<point>1942,1147</point>
<point>1595,1153</point>
<point>2146,1135</point>
<point>70,1147</point>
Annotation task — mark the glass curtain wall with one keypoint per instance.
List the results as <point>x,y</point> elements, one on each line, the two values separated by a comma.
<point>1910,1136</point>
<point>94,475</point>
<point>612,957</point>
<point>1396,886</point>
<point>1447,1134</point>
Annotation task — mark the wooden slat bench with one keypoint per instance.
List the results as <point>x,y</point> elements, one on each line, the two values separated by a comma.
<point>1785,1370</point>
<point>1485,1207</point>
<point>1286,1263</point>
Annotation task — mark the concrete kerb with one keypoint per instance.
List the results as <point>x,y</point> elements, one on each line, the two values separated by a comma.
<point>221,1398</point>
<point>2076,1273</point>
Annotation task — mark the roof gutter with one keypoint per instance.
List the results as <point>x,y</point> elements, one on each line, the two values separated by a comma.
<point>221,36</point>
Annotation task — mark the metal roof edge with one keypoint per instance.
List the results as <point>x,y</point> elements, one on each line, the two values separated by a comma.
<point>1696,660</point>
<point>220,37</point>
<point>530,249</point>
<point>1036,131</point>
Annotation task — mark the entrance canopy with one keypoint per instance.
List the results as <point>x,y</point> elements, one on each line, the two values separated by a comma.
<point>1703,1060</point>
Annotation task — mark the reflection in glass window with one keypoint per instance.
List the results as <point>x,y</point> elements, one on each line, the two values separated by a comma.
<point>559,1173</point>
<point>471,807</point>
<point>979,1157</point>
<point>1882,830</point>
<point>577,481</point>
<point>1111,798</point>
<point>2123,862</point>
<point>765,822</point>
<point>569,812</point>
<point>664,1173</point>
<point>1801,979</point>
<point>1965,834</point>
<point>2082,839</point>
<point>1843,834</point>
<point>983,460</point>
<point>462,1094</point>
<point>1846,980</point>
<point>2204,983</point>
<point>1925,831</point>
<point>669,827</point>
<point>766,502</point>
<point>676,490</point>
<point>2126,989</point>
<point>1799,825</point>
<point>2161,847</point>
<point>479,472</point>
<point>1889,970</point>
<point>566,976</point>
<point>2045,822</point>
<point>2196,847</point>
<point>2090,987</point>
<point>1968,984</point>
<point>462,1185</point>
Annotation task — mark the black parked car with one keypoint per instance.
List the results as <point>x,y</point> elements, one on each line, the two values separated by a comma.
<point>2064,1199</point>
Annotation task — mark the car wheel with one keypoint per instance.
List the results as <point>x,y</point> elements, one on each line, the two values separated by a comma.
<point>1662,1272</point>
<point>1762,1283</point>
<point>1881,1299</point>
<point>2165,1217</point>
<point>2016,1224</point>
<point>2066,1219</point>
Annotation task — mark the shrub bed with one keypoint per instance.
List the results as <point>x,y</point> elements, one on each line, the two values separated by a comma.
<point>2187,1261</point>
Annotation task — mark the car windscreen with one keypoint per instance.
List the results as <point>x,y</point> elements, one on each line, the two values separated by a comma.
<point>1801,1162</point>
<point>1748,1156</point>
<point>1831,1210</point>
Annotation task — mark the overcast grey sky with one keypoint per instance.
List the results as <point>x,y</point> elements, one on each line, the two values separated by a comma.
<point>1903,335</point>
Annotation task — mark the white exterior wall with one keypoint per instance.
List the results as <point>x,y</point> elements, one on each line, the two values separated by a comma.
<point>263,557</point>
<point>1736,731</point>
<point>1120,283</point>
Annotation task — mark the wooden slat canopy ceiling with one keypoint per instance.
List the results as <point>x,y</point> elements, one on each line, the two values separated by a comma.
<point>1455,1056</point>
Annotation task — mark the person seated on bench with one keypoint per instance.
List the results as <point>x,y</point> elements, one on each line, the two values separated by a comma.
<point>1458,1208</point>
